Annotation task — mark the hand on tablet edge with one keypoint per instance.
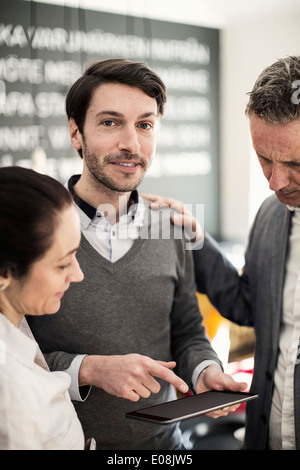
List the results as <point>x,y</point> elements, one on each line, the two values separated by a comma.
<point>213,378</point>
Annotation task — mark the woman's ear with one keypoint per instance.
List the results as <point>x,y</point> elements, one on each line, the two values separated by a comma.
<point>75,135</point>
<point>5,279</point>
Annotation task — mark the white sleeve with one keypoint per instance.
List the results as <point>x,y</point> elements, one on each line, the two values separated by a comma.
<point>77,393</point>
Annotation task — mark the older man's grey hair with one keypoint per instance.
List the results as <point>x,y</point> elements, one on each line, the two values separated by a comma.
<point>275,97</point>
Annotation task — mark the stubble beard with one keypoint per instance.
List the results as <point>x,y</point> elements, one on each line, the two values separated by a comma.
<point>103,181</point>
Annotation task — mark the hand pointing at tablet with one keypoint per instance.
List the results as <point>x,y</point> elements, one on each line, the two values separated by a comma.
<point>129,376</point>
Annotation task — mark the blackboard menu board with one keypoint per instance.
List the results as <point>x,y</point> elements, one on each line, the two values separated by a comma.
<point>44,49</point>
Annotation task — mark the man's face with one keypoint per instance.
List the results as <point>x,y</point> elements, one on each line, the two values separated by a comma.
<point>278,151</point>
<point>118,140</point>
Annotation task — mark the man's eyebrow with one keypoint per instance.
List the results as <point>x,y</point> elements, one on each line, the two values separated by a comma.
<point>145,115</point>
<point>108,113</point>
<point>261,156</point>
<point>120,115</point>
<point>287,162</point>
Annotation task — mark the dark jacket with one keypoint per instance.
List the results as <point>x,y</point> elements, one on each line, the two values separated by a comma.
<point>254,299</point>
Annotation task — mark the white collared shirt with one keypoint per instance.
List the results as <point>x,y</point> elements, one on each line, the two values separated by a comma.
<point>36,412</point>
<point>282,426</point>
<point>113,241</point>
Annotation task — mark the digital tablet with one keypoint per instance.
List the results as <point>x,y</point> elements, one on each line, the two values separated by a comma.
<point>191,406</point>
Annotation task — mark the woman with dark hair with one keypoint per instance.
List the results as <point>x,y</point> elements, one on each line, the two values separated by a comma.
<point>39,237</point>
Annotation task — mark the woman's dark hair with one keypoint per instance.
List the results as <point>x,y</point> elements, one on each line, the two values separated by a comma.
<point>29,207</point>
<point>136,74</point>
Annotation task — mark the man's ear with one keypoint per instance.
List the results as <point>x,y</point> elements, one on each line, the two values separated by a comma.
<point>75,135</point>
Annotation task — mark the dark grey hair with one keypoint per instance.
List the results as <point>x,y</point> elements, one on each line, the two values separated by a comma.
<point>275,97</point>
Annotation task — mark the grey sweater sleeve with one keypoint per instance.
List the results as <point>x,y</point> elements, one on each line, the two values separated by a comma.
<point>190,345</point>
<point>59,360</point>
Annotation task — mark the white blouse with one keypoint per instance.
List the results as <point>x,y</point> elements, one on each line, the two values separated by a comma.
<point>36,412</point>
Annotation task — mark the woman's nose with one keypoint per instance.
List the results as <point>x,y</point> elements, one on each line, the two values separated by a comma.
<point>76,275</point>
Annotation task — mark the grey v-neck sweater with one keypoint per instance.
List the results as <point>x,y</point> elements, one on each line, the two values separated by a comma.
<point>143,303</point>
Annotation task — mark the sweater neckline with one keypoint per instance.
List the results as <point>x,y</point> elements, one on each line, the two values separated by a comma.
<point>122,262</point>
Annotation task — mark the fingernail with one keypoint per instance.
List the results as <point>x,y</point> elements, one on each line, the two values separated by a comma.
<point>183,388</point>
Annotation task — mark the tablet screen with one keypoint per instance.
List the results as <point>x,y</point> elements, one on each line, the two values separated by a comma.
<point>191,406</point>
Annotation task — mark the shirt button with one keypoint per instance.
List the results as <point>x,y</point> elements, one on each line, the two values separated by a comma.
<point>269,375</point>
<point>263,418</point>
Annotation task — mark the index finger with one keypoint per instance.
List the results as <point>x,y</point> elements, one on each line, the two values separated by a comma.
<point>151,197</point>
<point>169,376</point>
<point>160,200</point>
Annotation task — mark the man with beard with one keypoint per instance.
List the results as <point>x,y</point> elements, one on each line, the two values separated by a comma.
<point>136,315</point>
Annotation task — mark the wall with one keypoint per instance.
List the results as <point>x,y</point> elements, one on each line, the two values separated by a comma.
<point>43,50</point>
<point>247,47</point>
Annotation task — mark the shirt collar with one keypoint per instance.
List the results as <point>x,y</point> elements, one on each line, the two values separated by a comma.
<point>17,343</point>
<point>293,209</point>
<point>91,212</point>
